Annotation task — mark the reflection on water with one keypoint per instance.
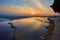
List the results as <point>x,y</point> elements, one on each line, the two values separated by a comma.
<point>32,22</point>
<point>27,29</point>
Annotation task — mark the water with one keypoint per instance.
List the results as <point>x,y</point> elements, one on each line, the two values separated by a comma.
<point>26,29</point>
<point>3,19</point>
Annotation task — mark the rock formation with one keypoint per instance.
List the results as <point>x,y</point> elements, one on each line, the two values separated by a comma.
<point>56,6</point>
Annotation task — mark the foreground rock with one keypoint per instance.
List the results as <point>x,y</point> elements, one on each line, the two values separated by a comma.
<point>56,31</point>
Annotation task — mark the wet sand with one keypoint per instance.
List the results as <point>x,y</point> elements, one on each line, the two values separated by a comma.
<point>56,31</point>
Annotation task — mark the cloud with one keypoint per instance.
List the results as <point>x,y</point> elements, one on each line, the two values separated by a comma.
<point>29,7</point>
<point>47,2</point>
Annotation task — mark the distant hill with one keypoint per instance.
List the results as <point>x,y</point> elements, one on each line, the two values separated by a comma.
<point>14,16</point>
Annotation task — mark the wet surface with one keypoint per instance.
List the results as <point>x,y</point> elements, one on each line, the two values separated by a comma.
<point>56,31</point>
<point>26,29</point>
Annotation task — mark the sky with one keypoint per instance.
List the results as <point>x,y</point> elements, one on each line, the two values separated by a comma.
<point>26,7</point>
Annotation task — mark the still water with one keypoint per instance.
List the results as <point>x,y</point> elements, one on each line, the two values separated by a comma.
<point>25,29</point>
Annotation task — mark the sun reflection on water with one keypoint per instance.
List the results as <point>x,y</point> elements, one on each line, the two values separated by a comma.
<point>34,22</point>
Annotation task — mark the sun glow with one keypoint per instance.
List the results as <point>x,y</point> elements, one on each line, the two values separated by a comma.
<point>31,7</point>
<point>33,12</point>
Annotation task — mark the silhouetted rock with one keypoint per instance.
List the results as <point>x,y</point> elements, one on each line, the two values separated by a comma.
<point>56,6</point>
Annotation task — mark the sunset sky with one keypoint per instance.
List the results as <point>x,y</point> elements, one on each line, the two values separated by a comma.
<point>26,7</point>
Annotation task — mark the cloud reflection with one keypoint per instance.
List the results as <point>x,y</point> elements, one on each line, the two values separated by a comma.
<point>27,29</point>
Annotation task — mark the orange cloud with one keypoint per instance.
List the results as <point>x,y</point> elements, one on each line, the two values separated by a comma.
<point>37,9</point>
<point>26,10</point>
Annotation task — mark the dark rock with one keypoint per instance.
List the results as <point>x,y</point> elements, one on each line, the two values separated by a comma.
<point>56,6</point>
